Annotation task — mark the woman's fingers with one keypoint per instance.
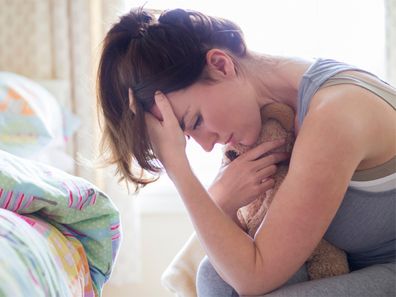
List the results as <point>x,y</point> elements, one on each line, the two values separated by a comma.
<point>165,108</point>
<point>149,118</point>
<point>263,148</point>
<point>271,159</point>
<point>266,172</point>
<point>153,125</point>
<point>151,121</point>
<point>266,184</point>
<point>166,137</point>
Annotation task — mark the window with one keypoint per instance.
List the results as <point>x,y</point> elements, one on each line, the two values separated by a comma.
<point>352,31</point>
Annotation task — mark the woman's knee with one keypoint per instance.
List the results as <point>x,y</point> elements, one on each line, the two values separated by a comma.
<point>209,282</point>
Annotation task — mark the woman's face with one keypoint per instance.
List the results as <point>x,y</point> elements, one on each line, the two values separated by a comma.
<point>224,112</point>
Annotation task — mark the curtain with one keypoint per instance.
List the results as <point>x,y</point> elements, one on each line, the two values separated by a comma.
<point>390,9</point>
<point>61,39</point>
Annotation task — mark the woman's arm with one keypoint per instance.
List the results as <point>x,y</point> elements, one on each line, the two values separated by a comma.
<point>329,142</point>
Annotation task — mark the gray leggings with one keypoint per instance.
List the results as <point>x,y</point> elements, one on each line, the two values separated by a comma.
<point>373,281</point>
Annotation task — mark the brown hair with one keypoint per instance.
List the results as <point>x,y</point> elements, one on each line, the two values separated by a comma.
<point>145,55</point>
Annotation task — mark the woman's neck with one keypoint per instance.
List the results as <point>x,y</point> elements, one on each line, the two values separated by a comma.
<point>274,78</point>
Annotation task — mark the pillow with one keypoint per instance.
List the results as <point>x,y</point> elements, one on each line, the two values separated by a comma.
<point>30,117</point>
<point>73,205</point>
<point>179,277</point>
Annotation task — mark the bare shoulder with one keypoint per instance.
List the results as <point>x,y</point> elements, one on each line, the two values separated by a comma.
<point>364,120</point>
<point>327,151</point>
<point>331,143</point>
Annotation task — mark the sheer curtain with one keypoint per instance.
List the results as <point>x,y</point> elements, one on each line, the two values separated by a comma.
<point>60,39</point>
<point>391,40</point>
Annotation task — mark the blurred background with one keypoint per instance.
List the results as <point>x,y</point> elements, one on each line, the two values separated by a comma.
<point>57,43</point>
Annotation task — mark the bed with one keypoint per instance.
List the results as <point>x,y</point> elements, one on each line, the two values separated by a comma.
<point>59,233</point>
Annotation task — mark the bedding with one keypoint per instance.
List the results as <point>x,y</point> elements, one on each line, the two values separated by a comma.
<point>35,123</point>
<point>37,260</point>
<point>58,232</point>
<point>30,117</point>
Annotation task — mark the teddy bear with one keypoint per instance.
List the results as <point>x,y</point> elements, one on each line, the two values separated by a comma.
<point>278,122</point>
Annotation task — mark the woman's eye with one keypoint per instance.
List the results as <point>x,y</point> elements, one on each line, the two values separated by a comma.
<point>198,122</point>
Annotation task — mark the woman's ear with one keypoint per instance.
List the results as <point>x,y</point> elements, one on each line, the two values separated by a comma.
<point>220,64</point>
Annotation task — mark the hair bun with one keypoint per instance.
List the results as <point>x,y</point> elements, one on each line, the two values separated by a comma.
<point>135,23</point>
<point>178,17</point>
<point>208,31</point>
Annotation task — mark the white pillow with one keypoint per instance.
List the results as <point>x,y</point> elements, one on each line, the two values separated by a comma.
<point>179,277</point>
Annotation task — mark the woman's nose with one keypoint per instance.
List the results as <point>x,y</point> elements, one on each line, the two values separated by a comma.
<point>206,141</point>
<point>207,146</point>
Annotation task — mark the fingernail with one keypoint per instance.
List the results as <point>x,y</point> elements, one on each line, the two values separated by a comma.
<point>159,95</point>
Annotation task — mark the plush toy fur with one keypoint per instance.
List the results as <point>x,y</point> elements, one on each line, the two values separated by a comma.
<point>278,122</point>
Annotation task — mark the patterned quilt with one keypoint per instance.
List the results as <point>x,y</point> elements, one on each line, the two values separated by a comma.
<point>59,234</point>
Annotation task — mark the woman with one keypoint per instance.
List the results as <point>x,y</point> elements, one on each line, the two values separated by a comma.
<point>189,74</point>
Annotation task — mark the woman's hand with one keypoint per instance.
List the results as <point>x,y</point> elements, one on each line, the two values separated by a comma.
<point>166,136</point>
<point>240,182</point>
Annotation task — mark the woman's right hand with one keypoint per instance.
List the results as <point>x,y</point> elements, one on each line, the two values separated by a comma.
<point>166,136</point>
<point>244,179</point>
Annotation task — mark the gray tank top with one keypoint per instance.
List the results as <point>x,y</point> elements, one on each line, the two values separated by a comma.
<point>365,223</point>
